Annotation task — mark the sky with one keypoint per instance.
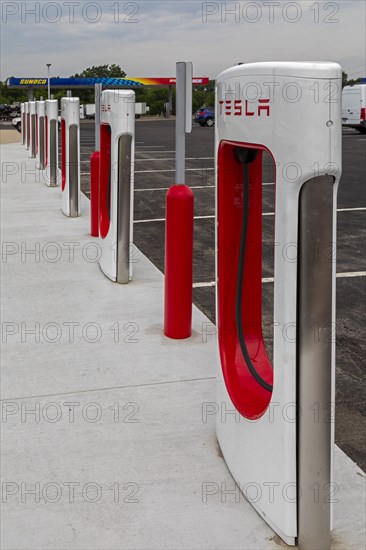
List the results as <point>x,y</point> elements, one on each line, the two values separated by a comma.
<point>146,38</point>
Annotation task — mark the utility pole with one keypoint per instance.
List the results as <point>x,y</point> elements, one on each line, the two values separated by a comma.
<point>49,81</point>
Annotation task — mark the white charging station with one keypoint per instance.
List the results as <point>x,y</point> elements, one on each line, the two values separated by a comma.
<point>41,134</point>
<point>276,451</point>
<point>22,123</point>
<point>117,152</point>
<point>32,129</point>
<point>26,125</point>
<point>52,170</point>
<point>70,156</point>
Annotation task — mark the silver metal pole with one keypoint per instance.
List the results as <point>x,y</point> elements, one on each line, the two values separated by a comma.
<point>124,208</point>
<point>68,93</point>
<point>49,81</point>
<point>180,111</point>
<point>98,96</point>
<point>315,415</point>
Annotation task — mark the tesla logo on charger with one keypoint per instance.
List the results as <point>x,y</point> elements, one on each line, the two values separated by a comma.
<point>105,108</point>
<point>238,107</point>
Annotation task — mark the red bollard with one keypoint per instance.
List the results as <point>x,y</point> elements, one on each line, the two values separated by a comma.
<point>178,262</point>
<point>94,194</point>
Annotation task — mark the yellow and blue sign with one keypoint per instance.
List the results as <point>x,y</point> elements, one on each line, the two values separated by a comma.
<point>90,82</point>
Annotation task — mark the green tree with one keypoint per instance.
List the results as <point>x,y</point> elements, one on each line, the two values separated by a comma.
<point>97,71</point>
<point>10,95</point>
<point>344,79</point>
<point>101,71</point>
<point>351,82</point>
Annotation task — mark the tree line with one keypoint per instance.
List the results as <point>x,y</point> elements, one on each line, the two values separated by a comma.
<point>154,97</point>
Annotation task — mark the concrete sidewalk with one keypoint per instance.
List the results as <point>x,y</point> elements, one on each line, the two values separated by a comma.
<point>104,443</point>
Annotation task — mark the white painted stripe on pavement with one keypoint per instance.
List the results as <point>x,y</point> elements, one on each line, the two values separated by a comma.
<point>172,170</point>
<point>351,274</point>
<point>173,158</point>
<point>191,187</point>
<point>204,285</point>
<point>163,219</point>
<point>166,188</point>
<point>212,216</point>
<point>360,209</point>
<point>347,275</point>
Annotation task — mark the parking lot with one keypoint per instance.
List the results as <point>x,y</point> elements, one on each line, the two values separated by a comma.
<point>154,174</point>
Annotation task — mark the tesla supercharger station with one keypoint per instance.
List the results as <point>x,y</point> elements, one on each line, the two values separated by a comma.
<point>41,134</point>
<point>32,129</point>
<point>70,156</point>
<point>276,448</point>
<point>117,151</point>
<point>52,171</point>
<point>26,125</point>
<point>22,123</point>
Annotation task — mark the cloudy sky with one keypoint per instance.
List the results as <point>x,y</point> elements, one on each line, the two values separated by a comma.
<point>147,37</point>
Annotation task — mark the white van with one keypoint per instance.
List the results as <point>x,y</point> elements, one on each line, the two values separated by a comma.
<point>354,107</point>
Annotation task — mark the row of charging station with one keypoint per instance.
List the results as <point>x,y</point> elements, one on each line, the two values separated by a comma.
<point>286,456</point>
<point>39,135</point>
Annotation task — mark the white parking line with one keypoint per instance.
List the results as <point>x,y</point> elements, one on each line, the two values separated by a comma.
<point>204,285</point>
<point>163,219</point>
<point>191,187</point>
<point>360,209</point>
<point>347,275</point>
<point>212,216</point>
<point>173,158</point>
<point>172,170</point>
<point>148,221</point>
<point>351,274</point>
<point>167,188</point>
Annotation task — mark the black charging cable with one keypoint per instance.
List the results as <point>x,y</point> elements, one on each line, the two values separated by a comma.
<point>245,157</point>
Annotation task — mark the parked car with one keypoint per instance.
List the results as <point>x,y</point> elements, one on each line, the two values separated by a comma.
<point>5,111</point>
<point>16,121</point>
<point>89,110</point>
<point>354,107</point>
<point>205,116</point>
<point>5,108</point>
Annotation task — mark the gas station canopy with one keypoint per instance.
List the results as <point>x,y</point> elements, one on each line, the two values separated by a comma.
<point>27,82</point>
